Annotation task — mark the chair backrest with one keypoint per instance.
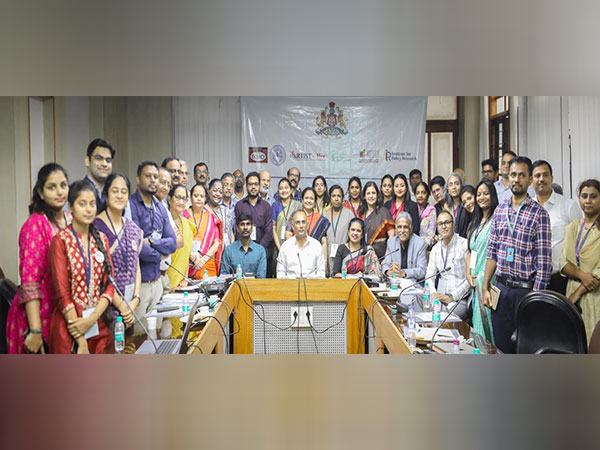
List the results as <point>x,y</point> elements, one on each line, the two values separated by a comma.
<point>595,340</point>
<point>8,290</point>
<point>547,322</point>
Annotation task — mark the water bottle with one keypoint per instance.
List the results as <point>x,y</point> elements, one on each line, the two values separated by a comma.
<point>426,298</point>
<point>436,316</point>
<point>411,327</point>
<point>456,347</point>
<point>205,277</point>
<point>476,351</point>
<point>119,335</point>
<point>344,272</point>
<point>394,284</point>
<point>185,308</point>
<point>238,272</point>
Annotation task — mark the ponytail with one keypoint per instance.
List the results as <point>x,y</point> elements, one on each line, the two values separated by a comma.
<point>100,243</point>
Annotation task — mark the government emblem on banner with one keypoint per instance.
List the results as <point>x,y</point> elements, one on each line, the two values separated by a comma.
<point>331,122</point>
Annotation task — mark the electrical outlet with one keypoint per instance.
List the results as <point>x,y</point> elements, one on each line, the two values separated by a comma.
<point>301,321</point>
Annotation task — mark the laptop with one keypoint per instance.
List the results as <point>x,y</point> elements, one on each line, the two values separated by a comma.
<point>170,346</point>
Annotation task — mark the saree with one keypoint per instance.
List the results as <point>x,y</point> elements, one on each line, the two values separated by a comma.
<point>377,225</point>
<point>282,217</point>
<point>478,242</point>
<point>207,228</point>
<point>317,225</point>
<point>363,260</point>
<point>428,224</point>
<point>348,204</point>
<point>181,258</point>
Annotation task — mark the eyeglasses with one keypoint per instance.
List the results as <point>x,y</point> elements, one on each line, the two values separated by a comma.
<point>252,184</point>
<point>487,172</point>
<point>179,198</point>
<point>445,223</point>
<point>201,172</point>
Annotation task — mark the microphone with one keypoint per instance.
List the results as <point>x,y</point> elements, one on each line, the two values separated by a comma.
<point>193,282</point>
<point>387,254</point>
<point>137,319</point>
<point>443,322</point>
<point>404,308</point>
<point>300,261</point>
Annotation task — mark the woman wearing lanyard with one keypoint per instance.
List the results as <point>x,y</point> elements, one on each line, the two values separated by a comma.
<point>317,224</point>
<point>337,233</point>
<point>427,214</point>
<point>478,237</point>
<point>206,242</point>
<point>379,225</point>
<point>355,255</point>
<point>29,314</point>
<point>387,188</point>
<point>283,210</point>
<point>80,265</point>
<point>401,202</point>
<point>453,205</point>
<point>354,191</point>
<point>184,230</point>
<point>320,186</point>
<point>125,243</point>
<point>580,259</point>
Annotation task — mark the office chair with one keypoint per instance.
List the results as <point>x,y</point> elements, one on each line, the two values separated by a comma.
<point>595,340</point>
<point>548,323</point>
<point>8,290</point>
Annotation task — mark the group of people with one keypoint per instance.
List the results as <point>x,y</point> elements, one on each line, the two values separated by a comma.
<point>94,250</point>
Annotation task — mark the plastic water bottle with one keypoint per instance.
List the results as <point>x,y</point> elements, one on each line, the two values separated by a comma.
<point>185,308</point>
<point>411,327</point>
<point>238,272</point>
<point>119,335</point>
<point>394,284</point>
<point>205,277</point>
<point>456,347</point>
<point>436,317</point>
<point>426,298</point>
<point>344,272</point>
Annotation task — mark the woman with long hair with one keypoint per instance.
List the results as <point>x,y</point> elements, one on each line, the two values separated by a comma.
<point>29,315</point>
<point>467,198</point>
<point>427,214</point>
<point>206,242</point>
<point>319,184</point>
<point>580,258</point>
<point>378,222</point>
<point>387,188</point>
<point>401,202</point>
<point>453,204</point>
<point>478,238</point>
<point>358,257</point>
<point>80,265</point>
<point>354,192</point>
<point>125,243</point>
<point>184,230</point>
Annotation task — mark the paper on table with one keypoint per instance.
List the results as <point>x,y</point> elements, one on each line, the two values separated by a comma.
<point>444,334</point>
<point>427,317</point>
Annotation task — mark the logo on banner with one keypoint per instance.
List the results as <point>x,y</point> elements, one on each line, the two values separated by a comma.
<point>258,155</point>
<point>277,155</point>
<point>368,156</point>
<point>307,156</point>
<point>399,156</point>
<point>331,122</point>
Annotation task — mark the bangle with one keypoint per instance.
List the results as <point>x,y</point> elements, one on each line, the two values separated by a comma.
<point>135,296</point>
<point>36,331</point>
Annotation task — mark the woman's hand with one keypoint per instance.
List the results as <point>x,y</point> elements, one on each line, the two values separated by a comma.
<point>442,298</point>
<point>470,279</point>
<point>486,297</point>
<point>201,261</point>
<point>33,343</point>
<point>78,327</point>
<point>589,281</point>
<point>126,314</point>
<point>82,348</point>
<point>179,238</point>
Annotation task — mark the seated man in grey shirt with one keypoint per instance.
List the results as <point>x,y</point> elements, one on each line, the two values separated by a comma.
<point>405,254</point>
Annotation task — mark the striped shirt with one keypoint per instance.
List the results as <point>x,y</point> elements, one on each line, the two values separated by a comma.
<point>530,241</point>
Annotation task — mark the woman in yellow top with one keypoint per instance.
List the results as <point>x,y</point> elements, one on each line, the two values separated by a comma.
<point>580,259</point>
<point>184,231</point>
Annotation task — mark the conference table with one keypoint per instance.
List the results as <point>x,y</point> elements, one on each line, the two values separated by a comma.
<point>369,324</point>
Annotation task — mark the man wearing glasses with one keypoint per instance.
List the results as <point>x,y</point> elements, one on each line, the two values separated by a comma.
<point>258,209</point>
<point>450,252</point>
<point>98,161</point>
<point>489,170</point>
<point>173,165</point>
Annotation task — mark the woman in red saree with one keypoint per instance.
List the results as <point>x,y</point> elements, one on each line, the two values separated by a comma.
<point>208,232</point>
<point>80,265</point>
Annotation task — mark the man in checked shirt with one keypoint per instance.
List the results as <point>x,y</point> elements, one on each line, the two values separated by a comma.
<point>519,252</point>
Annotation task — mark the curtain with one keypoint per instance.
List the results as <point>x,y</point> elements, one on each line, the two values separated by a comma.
<point>584,127</point>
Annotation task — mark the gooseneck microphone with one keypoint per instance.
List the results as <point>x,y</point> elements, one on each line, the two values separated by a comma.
<point>442,323</point>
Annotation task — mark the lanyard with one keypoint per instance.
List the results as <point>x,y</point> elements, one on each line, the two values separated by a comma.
<point>455,212</point>
<point>445,258</point>
<point>152,211</point>
<point>579,243</point>
<point>335,227</point>
<point>479,229</point>
<point>354,264</point>
<point>285,214</point>
<point>511,227</point>
<point>122,248</point>
<point>87,265</point>
<point>352,206</point>
<point>197,223</point>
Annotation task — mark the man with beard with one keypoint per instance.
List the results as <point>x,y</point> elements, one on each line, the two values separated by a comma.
<point>489,170</point>
<point>173,165</point>
<point>98,161</point>
<point>519,252</point>
<point>562,212</point>
<point>238,186</point>
<point>503,188</point>
<point>249,255</point>
<point>159,239</point>
<point>201,174</point>
<point>405,255</point>
<point>258,209</point>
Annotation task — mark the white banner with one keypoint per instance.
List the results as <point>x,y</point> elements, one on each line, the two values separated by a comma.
<point>336,137</point>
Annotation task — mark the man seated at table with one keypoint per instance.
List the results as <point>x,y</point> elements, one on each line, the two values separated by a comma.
<point>245,252</point>
<point>450,252</point>
<point>405,255</point>
<point>301,256</point>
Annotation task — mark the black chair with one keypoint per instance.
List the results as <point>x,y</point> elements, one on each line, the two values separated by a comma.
<point>8,290</point>
<point>594,347</point>
<point>547,322</point>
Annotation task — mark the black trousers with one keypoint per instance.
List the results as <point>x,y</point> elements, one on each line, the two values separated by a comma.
<point>558,283</point>
<point>504,318</point>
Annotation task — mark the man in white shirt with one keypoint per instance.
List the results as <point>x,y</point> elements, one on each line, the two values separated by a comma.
<point>562,212</point>
<point>301,256</point>
<point>450,252</point>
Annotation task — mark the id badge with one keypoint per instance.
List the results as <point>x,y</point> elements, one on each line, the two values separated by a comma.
<point>93,330</point>
<point>156,235</point>
<point>510,254</point>
<point>253,235</point>
<point>282,234</point>
<point>128,294</point>
<point>196,247</point>
<point>442,286</point>
<point>473,260</point>
<point>334,248</point>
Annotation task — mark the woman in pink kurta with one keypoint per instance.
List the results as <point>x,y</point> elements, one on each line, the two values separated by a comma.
<point>32,307</point>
